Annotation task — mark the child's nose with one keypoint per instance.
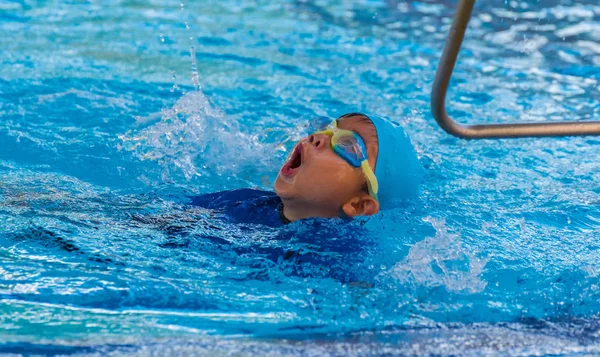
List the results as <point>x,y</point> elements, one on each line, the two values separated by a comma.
<point>319,141</point>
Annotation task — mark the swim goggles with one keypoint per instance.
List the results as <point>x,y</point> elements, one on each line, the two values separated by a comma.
<point>349,146</point>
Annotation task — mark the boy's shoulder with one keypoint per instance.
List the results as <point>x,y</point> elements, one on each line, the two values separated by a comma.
<point>232,198</point>
<point>244,205</point>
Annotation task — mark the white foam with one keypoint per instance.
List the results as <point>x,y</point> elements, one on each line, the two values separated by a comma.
<point>440,252</point>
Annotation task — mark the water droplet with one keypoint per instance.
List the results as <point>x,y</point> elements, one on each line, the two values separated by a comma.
<point>195,79</point>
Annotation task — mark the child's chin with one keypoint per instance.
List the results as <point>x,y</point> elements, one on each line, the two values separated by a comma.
<point>284,188</point>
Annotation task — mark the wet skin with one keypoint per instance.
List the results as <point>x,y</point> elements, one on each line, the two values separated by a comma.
<point>316,182</point>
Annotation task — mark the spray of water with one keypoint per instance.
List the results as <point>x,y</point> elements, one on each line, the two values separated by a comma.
<point>194,140</point>
<point>440,261</point>
<point>195,78</point>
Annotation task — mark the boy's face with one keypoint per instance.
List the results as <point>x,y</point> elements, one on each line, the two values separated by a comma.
<point>316,178</point>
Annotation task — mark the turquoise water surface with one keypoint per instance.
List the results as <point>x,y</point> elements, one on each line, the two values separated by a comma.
<point>113,112</point>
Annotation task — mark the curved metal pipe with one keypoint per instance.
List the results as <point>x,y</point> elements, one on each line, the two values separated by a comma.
<point>512,130</point>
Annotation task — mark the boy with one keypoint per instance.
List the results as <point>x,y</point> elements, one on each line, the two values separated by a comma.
<point>355,166</point>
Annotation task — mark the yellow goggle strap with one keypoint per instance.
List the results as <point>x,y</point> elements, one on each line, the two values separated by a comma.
<point>371,179</point>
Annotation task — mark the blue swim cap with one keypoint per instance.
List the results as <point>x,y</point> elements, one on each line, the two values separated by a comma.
<point>397,169</point>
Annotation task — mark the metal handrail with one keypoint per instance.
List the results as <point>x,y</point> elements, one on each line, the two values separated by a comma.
<point>512,130</point>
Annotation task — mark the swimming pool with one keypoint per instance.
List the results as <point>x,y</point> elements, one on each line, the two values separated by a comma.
<point>113,112</point>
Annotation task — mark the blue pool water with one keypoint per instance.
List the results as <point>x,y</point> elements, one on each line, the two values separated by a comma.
<point>112,112</point>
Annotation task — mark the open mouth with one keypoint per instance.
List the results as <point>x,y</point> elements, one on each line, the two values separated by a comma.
<point>294,162</point>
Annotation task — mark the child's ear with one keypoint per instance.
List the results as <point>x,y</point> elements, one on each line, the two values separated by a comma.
<point>361,205</point>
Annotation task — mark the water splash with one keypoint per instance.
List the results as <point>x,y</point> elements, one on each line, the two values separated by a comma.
<point>441,261</point>
<point>194,140</point>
